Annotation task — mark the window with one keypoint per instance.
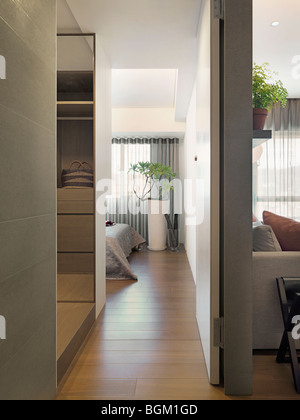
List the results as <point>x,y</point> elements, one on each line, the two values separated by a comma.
<point>277,176</point>
<point>123,155</point>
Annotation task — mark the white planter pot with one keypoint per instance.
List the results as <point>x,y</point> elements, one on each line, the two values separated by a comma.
<point>157,224</point>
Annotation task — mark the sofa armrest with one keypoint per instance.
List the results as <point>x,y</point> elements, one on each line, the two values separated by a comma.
<point>267,317</point>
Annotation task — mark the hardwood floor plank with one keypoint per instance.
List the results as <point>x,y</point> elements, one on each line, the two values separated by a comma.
<point>148,331</point>
<point>70,317</point>
<point>144,357</point>
<point>85,374</point>
<point>97,388</point>
<point>97,344</point>
<point>146,346</point>
<point>150,335</point>
<point>167,325</point>
<point>181,389</point>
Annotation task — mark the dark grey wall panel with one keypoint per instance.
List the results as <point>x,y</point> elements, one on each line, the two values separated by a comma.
<point>27,74</point>
<point>28,199</point>
<point>27,14</point>
<point>237,197</point>
<point>26,148</point>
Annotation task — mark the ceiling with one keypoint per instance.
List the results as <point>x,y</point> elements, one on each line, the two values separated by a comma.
<point>158,88</point>
<point>280,45</point>
<point>139,35</point>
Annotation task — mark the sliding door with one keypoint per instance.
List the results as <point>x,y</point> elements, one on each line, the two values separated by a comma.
<point>208,202</point>
<point>236,194</point>
<point>224,193</point>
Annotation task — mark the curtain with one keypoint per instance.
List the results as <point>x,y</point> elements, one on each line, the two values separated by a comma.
<point>277,173</point>
<point>123,205</point>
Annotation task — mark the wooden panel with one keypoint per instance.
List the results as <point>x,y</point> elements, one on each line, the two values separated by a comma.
<point>78,263</point>
<point>75,85</point>
<point>73,194</point>
<point>236,206</point>
<point>75,109</point>
<point>74,321</point>
<point>75,207</point>
<point>75,233</point>
<point>76,288</point>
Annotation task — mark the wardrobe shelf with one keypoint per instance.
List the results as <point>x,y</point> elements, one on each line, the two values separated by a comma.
<point>75,110</point>
<point>76,299</point>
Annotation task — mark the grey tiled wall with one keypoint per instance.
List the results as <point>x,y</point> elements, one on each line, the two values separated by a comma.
<point>28,199</point>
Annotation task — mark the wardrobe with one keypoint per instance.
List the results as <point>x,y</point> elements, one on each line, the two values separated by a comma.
<point>75,199</point>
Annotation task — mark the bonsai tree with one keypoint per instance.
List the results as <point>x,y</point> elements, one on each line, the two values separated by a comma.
<point>267,91</point>
<point>154,174</point>
<point>159,177</point>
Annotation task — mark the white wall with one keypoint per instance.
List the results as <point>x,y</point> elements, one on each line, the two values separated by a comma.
<point>145,120</point>
<point>103,163</point>
<point>190,174</point>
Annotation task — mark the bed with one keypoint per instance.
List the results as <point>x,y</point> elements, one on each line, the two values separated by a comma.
<point>121,239</point>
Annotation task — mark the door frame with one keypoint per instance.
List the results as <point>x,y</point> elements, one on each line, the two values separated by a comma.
<point>236,196</point>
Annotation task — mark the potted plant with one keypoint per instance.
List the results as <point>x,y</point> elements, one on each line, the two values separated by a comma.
<point>267,92</point>
<point>157,185</point>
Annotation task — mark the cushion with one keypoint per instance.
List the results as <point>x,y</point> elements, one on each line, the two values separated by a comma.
<point>264,239</point>
<point>286,230</point>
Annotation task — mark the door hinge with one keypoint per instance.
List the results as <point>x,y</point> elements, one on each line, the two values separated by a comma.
<point>219,332</point>
<point>218,9</point>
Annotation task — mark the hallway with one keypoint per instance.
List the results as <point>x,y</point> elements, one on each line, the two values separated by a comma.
<point>145,345</point>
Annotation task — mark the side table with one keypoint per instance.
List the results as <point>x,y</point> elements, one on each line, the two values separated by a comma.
<point>289,295</point>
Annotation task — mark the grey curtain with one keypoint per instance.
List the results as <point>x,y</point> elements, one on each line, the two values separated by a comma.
<point>166,152</point>
<point>285,120</point>
<point>126,151</point>
<point>277,187</point>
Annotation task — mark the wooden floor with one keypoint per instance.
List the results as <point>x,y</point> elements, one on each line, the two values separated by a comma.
<point>70,317</point>
<point>146,345</point>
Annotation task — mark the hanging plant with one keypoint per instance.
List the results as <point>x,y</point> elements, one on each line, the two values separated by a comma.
<point>268,91</point>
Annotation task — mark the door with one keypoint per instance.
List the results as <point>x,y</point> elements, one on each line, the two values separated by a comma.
<point>208,190</point>
<point>236,196</point>
<point>224,198</point>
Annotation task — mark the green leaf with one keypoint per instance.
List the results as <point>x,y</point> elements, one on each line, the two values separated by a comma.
<point>267,90</point>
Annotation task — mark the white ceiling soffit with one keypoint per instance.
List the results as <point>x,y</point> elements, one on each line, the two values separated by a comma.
<point>144,88</point>
<point>147,34</point>
<point>66,23</point>
<point>279,45</point>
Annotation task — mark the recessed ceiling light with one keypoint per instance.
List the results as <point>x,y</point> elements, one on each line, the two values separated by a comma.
<point>275,23</point>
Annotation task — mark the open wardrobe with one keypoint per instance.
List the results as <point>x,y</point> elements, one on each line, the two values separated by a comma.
<point>75,195</point>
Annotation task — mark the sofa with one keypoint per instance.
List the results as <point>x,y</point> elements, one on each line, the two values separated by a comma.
<point>276,246</point>
<point>267,317</point>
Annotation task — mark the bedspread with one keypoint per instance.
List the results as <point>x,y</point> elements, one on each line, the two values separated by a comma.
<point>120,241</point>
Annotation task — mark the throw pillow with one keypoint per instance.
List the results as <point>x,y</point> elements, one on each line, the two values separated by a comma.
<point>286,230</point>
<point>264,240</point>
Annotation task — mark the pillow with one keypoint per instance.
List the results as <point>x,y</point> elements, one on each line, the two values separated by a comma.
<point>286,230</point>
<point>264,240</point>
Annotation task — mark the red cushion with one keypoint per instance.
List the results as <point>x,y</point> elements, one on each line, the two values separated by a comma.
<point>286,230</point>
